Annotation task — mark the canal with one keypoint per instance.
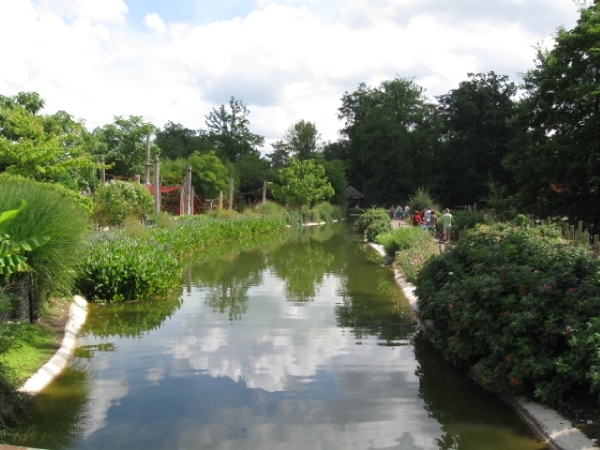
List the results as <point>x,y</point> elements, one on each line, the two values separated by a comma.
<point>303,343</point>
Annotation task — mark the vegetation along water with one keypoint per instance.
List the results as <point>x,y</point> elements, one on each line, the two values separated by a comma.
<point>302,342</point>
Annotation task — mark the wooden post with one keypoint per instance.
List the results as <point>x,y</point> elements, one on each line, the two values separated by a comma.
<point>230,192</point>
<point>136,178</point>
<point>264,191</point>
<point>147,164</point>
<point>102,170</point>
<point>188,190</point>
<point>156,185</point>
<point>220,199</point>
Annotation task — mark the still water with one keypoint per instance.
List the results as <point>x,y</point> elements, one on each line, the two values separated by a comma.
<point>304,343</point>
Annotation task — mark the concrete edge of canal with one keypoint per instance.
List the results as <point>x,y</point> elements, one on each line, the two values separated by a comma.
<point>56,364</point>
<point>552,429</point>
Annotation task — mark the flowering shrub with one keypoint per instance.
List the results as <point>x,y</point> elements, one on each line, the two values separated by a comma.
<point>119,199</point>
<point>520,306</point>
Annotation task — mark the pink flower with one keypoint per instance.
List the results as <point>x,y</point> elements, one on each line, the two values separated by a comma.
<point>568,328</point>
<point>571,289</point>
<point>450,305</point>
<point>536,271</point>
<point>548,287</point>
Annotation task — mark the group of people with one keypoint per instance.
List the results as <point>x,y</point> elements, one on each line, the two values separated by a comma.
<point>426,219</point>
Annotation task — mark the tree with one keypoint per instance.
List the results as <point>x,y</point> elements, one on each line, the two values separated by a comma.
<point>381,127</point>
<point>300,140</point>
<point>229,131</point>
<point>123,144</point>
<point>176,141</point>
<point>45,147</point>
<point>252,171</point>
<point>475,130</point>
<point>556,157</point>
<point>335,172</point>
<point>210,175</point>
<point>302,183</point>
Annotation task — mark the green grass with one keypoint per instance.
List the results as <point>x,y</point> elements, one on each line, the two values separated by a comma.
<point>34,347</point>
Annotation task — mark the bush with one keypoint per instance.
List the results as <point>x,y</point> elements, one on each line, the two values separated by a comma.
<point>272,209</point>
<point>52,214</point>
<point>122,268</point>
<point>516,304</point>
<point>369,216</point>
<point>378,227</point>
<point>421,200</point>
<point>462,220</point>
<point>327,212</point>
<point>402,239</point>
<point>119,199</point>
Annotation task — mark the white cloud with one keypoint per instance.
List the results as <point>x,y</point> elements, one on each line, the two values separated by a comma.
<point>110,11</point>
<point>155,23</point>
<point>287,60</point>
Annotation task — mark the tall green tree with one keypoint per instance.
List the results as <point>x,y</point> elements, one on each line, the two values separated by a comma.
<point>380,125</point>
<point>123,144</point>
<point>300,140</point>
<point>556,157</point>
<point>302,183</point>
<point>229,131</point>
<point>176,141</point>
<point>475,129</point>
<point>45,147</point>
<point>209,174</point>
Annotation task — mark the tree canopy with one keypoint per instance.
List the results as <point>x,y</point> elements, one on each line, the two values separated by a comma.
<point>302,183</point>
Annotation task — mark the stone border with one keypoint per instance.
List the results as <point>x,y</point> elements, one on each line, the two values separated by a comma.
<point>50,370</point>
<point>552,429</point>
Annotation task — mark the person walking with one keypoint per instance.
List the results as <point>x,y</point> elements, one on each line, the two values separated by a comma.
<point>447,230</point>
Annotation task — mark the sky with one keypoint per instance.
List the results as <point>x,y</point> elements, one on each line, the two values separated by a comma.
<point>287,60</point>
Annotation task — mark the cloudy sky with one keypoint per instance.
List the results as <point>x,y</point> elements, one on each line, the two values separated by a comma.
<point>288,60</point>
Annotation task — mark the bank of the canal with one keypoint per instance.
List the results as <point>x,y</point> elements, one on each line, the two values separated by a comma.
<point>551,428</point>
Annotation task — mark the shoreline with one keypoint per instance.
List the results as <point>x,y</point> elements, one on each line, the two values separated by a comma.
<point>40,379</point>
<point>552,429</point>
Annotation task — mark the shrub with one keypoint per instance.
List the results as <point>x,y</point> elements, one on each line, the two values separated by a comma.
<point>272,209</point>
<point>327,212</point>
<point>516,304</point>
<point>121,268</point>
<point>402,239</point>
<point>59,219</point>
<point>421,200</point>
<point>378,227</point>
<point>461,221</point>
<point>369,216</point>
<point>119,199</point>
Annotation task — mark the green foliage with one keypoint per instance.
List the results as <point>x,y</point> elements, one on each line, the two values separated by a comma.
<point>229,131</point>
<point>500,204</point>
<point>119,199</point>
<point>210,175</point>
<point>123,268</point>
<point>53,215</point>
<point>131,266</point>
<point>40,146</point>
<point>328,212</point>
<point>463,220</point>
<point>272,209</point>
<point>302,183</point>
<point>369,216</point>
<point>519,305</point>
<point>402,239</point>
<point>421,200</point>
<point>123,144</point>
<point>378,227</point>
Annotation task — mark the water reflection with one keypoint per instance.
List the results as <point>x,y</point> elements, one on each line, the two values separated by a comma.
<point>302,344</point>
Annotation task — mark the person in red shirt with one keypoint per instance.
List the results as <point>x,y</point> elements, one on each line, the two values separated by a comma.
<point>416,219</point>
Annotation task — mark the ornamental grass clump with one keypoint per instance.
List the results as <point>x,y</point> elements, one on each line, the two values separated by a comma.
<point>519,306</point>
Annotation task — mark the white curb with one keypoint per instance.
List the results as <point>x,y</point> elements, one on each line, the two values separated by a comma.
<point>49,371</point>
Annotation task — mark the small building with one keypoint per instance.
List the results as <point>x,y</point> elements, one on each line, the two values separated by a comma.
<point>352,194</point>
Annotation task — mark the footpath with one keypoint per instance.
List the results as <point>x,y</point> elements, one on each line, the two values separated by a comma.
<point>551,428</point>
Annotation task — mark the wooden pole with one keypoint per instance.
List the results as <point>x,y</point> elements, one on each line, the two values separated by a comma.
<point>220,199</point>
<point>188,190</point>
<point>147,164</point>
<point>102,170</point>
<point>156,185</point>
<point>264,191</point>
<point>230,192</point>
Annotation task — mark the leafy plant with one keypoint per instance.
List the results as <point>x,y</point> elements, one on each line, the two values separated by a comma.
<point>421,200</point>
<point>119,199</point>
<point>516,305</point>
